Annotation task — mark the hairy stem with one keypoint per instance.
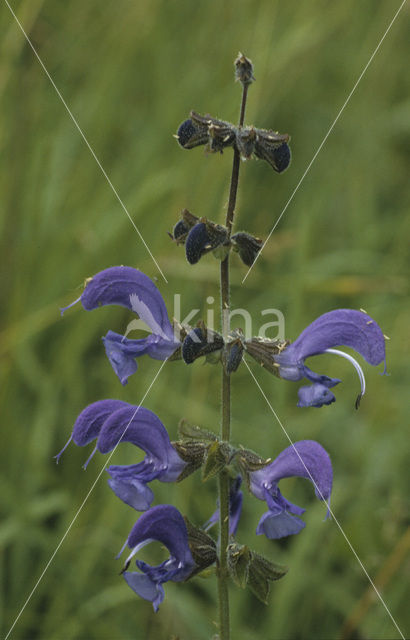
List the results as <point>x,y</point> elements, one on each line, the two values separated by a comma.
<point>224,628</point>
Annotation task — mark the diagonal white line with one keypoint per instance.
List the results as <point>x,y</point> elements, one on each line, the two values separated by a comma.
<point>339,526</point>
<point>82,504</point>
<point>85,140</point>
<point>324,139</point>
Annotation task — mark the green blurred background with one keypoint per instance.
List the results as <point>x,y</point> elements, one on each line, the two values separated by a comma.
<point>130,72</point>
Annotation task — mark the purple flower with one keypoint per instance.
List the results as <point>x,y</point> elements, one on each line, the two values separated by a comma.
<point>132,289</point>
<point>235,507</point>
<point>341,327</point>
<point>114,421</point>
<point>165,524</point>
<point>305,459</point>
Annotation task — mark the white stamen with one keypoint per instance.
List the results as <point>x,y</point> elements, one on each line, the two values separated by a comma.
<point>355,364</point>
<point>137,548</point>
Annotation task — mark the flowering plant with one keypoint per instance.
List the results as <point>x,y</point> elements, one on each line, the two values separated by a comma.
<point>110,422</point>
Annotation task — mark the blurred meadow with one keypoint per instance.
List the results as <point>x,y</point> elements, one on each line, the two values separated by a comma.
<point>131,72</point>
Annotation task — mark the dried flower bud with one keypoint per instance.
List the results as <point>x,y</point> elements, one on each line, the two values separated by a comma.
<point>197,243</point>
<point>272,147</point>
<point>189,218</point>
<point>247,246</point>
<point>200,342</point>
<point>244,69</point>
<point>183,226</point>
<point>221,134</point>
<point>205,130</point>
<point>234,356</point>
<point>204,237</point>
<point>266,145</point>
<point>180,232</point>
<point>190,135</point>
<point>245,141</point>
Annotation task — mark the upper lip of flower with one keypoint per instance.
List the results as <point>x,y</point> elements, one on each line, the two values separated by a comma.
<point>306,459</point>
<point>134,290</point>
<point>347,327</point>
<point>165,524</point>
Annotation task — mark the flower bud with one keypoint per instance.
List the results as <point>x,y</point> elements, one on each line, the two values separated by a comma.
<point>189,135</point>
<point>204,237</point>
<point>272,147</point>
<point>247,246</point>
<point>234,356</point>
<point>245,141</point>
<point>244,70</point>
<point>183,226</point>
<point>200,342</point>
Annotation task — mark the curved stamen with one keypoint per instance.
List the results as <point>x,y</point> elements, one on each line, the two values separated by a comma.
<point>85,465</point>
<point>135,550</point>
<point>358,369</point>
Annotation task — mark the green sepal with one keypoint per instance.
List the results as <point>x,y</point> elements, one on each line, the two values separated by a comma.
<point>193,453</point>
<point>261,573</point>
<point>217,457</point>
<point>214,357</point>
<point>188,431</point>
<point>263,351</point>
<point>239,559</point>
<point>249,461</point>
<point>202,547</point>
<point>248,568</point>
<point>207,573</point>
<point>222,251</point>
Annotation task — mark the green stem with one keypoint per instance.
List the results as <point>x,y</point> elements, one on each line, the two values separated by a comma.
<point>223,577</point>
